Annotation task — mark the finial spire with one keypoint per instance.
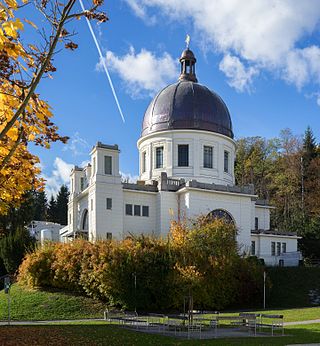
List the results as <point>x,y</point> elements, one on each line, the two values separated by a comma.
<point>187,41</point>
<point>188,62</point>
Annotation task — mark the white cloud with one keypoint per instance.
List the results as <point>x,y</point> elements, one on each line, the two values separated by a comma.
<point>59,176</point>
<point>266,34</point>
<point>143,73</point>
<point>239,77</point>
<point>140,11</point>
<point>127,177</point>
<point>315,95</point>
<point>77,145</point>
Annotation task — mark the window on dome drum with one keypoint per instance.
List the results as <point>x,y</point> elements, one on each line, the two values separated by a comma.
<point>137,210</point>
<point>284,247</point>
<point>108,165</point>
<point>159,157</point>
<point>207,156</point>
<point>256,223</point>
<point>109,203</point>
<point>183,155</point>
<point>143,162</point>
<point>278,248</point>
<point>273,248</point>
<point>128,209</point>
<point>226,161</point>
<point>253,247</point>
<point>109,235</point>
<point>145,210</point>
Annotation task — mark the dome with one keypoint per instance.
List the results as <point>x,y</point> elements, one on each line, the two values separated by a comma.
<point>187,105</point>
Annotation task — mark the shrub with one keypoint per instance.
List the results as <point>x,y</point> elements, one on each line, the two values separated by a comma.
<point>145,273</point>
<point>36,269</point>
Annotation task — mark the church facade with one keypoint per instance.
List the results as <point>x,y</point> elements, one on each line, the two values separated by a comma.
<point>186,154</point>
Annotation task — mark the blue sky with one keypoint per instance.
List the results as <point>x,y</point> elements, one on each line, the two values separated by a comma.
<point>261,56</point>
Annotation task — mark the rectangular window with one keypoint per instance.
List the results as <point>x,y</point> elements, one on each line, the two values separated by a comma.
<point>256,223</point>
<point>278,249</point>
<point>91,204</point>
<point>207,156</point>
<point>81,183</point>
<point>183,155</point>
<point>128,209</point>
<point>143,162</point>
<point>284,247</point>
<point>137,210</point>
<point>145,210</point>
<point>159,157</point>
<point>273,248</point>
<point>226,162</point>
<point>108,165</point>
<point>109,235</point>
<point>253,248</point>
<point>109,203</point>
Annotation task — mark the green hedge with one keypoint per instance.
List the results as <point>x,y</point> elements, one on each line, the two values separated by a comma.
<point>291,286</point>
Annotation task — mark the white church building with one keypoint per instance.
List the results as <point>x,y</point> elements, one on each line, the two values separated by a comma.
<point>186,156</point>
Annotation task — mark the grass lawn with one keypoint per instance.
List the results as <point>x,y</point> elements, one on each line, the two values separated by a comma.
<point>44,305</point>
<point>290,315</point>
<point>98,334</point>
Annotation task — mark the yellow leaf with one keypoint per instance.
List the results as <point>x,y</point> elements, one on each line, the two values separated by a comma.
<point>11,3</point>
<point>11,27</point>
<point>30,23</point>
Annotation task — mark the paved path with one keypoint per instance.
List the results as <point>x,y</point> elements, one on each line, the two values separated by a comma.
<point>2,323</point>
<point>17,323</point>
<point>301,322</point>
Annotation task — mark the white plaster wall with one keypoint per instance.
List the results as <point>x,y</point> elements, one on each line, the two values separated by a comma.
<point>263,215</point>
<point>108,221</point>
<point>167,211</point>
<point>196,202</point>
<point>263,249</point>
<point>140,224</point>
<point>196,141</point>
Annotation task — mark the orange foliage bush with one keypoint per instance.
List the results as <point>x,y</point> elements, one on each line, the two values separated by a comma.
<point>148,273</point>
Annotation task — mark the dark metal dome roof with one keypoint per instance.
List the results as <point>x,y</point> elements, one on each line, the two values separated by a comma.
<point>187,105</point>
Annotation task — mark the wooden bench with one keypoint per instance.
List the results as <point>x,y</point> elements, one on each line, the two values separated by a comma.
<point>156,320</point>
<point>274,322</point>
<point>112,315</point>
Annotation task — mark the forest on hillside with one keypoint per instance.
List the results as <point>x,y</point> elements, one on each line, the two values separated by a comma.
<point>286,171</point>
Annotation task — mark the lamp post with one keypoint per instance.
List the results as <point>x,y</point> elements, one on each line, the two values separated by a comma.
<point>135,290</point>
<point>264,289</point>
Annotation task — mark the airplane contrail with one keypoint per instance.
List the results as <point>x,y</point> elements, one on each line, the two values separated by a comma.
<point>102,59</point>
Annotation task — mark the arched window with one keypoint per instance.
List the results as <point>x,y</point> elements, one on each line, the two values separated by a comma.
<point>84,223</point>
<point>221,214</point>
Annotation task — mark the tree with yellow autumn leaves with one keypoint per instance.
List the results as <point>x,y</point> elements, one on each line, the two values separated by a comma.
<point>25,117</point>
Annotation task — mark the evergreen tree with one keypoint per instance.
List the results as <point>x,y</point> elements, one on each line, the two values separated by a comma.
<point>309,147</point>
<point>13,248</point>
<point>40,206</point>
<point>18,217</point>
<point>52,210</point>
<point>62,205</point>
